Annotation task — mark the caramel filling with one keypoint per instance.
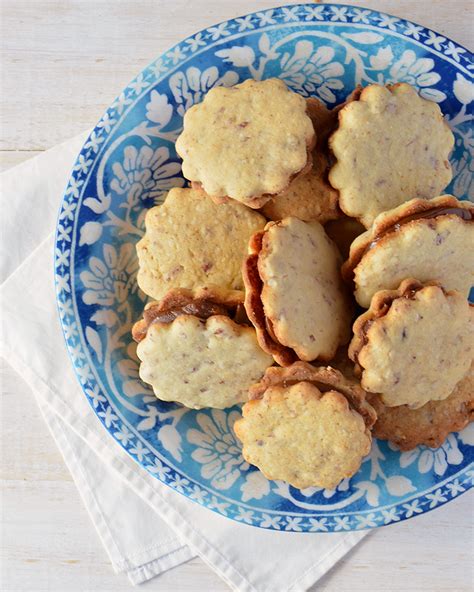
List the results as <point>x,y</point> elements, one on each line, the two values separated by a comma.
<point>466,214</point>
<point>202,309</point>
<point>325,387</point>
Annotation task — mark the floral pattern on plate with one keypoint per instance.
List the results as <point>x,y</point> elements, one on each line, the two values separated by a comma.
<point>129,163</point>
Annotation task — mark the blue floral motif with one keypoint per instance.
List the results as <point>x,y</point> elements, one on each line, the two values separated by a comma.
<point>129,163</point>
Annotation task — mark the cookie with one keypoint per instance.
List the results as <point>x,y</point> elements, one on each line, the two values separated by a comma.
<point>430,424</point>
<point>430,240</point>
<point>414,344</point>
<point>303,427</point>
<point>310,196</point>
<point>195,349</point>
<point>247,142</point>
<point>294,293</point>
<point>191,241</point>
<point>391,146</point>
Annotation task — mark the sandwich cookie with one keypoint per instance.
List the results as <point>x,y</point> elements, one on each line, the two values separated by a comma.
<point>197,348</point>
<point>414,344</point>
<point>295,297</point>
<point>307,426</point>
<point>247,142</point>
<point>191,241</point>
<point>429,425</point>
<point>430,240</point>
<point>391,146</point>
<point>310,196</point>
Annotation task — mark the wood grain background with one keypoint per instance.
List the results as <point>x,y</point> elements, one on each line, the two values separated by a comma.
<point>62,63</point>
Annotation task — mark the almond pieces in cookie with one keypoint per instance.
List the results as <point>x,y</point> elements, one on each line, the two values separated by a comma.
<point>197,350</point>
<point>431,240</point>
<point>192,241</point>
<point>247,142</point>
<point>303,429</point>
<point>414,344</point>
<point>391,146</point>
<point>295,296</point>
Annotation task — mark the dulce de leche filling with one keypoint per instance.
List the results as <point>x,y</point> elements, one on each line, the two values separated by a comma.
<point>466,214</point>
<point>324,379</point>
<point>201,308</point>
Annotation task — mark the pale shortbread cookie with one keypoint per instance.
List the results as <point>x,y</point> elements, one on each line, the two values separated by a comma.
<point>302,436</point>
<point>430,240</point>
<point>191,241</point>
<point>246,142</point>
<point>200,363</point>
<point>302,291</point>
<point>414,344</point>
<point>391,145</point>
<point>430,424</point>
<point>310,196</point>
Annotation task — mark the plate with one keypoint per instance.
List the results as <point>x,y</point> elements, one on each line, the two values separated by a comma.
<point>129,163</point>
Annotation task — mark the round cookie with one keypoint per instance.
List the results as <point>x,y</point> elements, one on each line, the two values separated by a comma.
<point>431,240</point>
<point>246,142</point>
<point>430,424</point>
<point>391,145</point>
<point>191,241</point>
<point>414,344</point>
<point>294,293</point>
<point>202,359</point>
<point>310,196</point>
<point>305,432</point>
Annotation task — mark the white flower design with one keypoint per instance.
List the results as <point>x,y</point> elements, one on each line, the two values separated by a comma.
<point>339,14</point>
<point>418,73</point>
<point>111,280</point>
<point>190,87</point>
<point>413,30</point>
<point>436,459</point>
<point>467,435</point>
<point>454,50</point>
<point>360,15</point>
<point>255,486</point>
<point>218,450</point>
<point>463,170</point>
<point>145,174</point>
<point>388,21</point>
<point>435,40</point>
<point>158,109</point>
<point>463,89</point>
<point>313,73</point>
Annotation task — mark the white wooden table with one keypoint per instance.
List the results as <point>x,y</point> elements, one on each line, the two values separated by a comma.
<point>63,62</point>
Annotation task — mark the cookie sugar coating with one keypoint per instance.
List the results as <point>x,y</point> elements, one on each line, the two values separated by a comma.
<point>246,142</point>
<point>191,241</point>
<point>430,424</point>
<point>201,363</point>
<point>391,146</point>
<point>302,436</point>
<point>415,344</point>
<point>437,248</point>
<point>303,295</point>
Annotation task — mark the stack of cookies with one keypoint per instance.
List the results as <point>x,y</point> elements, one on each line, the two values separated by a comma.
<point>253,302</point>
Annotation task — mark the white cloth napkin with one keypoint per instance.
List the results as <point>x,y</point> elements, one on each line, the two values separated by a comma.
<point>145,526</point>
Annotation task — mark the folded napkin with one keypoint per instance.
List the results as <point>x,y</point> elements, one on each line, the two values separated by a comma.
<point>145,526</point>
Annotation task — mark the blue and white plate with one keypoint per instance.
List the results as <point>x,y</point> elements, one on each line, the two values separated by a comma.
<point>129,163</point>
